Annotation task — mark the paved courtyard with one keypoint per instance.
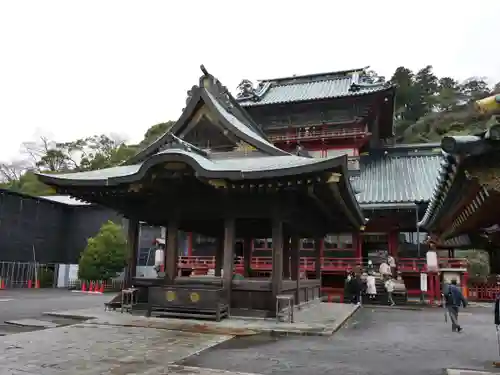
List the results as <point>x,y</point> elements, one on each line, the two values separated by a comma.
<point>376,341</point>
<point>90,349</point>
<point>22,304</point>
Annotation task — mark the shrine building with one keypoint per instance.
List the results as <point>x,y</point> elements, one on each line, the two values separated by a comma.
<point>215,173</point>
<point>272,147</point>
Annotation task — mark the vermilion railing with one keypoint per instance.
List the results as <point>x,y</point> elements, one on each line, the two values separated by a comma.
<point>327,263</point>
<point>352,132</point>
<point>266,263</point>
<point>420,265</point>
<point>484,292</point>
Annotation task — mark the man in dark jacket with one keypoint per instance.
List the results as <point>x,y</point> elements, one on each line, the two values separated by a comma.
<point>454,299</point>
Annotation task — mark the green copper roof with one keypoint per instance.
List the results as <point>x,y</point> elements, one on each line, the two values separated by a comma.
<point>233,168</point>
<point>311,87</point>
<point>392,179</point>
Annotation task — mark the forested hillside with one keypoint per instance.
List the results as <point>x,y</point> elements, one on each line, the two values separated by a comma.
<point>427,108</point>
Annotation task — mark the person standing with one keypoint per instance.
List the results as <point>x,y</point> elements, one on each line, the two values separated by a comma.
<point>371,288</point>
<point>384,270</point>
<point>454,299</point>
<point>389,286</point>
<point>354,288</point>
<point>392,263</point>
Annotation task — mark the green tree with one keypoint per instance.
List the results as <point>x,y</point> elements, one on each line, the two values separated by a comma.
<point>426,86</point>
<point>155,132</point>
<point>474,88</point>
<point>105,254</point>
<point>101,151</point>
<point>448,93</point>
<point>403,79</point>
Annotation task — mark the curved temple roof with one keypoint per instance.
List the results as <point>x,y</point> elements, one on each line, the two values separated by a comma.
<point>240,168</point>
<point>232,169</point>
<point>213,100</point>
<point>226,112</point>
<point>353,82</point>
<point>456,150</point>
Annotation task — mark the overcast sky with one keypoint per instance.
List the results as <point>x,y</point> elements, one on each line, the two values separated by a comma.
<point>71,69</point>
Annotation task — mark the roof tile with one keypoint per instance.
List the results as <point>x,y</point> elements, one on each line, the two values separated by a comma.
<point>397,179</point>
<point>275,92</point>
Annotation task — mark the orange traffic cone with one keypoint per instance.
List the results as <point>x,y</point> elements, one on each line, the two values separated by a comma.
<point>102,287</point>
<point>84,286</point>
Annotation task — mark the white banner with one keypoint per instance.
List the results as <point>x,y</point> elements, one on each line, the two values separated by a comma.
<point>423,282</point>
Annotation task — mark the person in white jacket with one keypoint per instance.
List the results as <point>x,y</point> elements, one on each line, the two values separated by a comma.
<point>371,289</point>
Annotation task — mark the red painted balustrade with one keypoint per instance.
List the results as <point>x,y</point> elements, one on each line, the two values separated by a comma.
<point>486,292</point>
<point>266,263</point>
<point>420,264</point>
<point>327,263</point>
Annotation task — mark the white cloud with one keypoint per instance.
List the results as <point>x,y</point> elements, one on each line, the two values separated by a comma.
<point>75,69</point>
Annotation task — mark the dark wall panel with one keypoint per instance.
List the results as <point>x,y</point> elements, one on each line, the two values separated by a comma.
<point>26,223</point>
<point>84,222</point>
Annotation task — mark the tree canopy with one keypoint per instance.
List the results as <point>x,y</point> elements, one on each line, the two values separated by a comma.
<point>105,254</point>
<point>85,154</point>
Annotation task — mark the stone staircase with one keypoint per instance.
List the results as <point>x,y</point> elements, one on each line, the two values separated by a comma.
<point>399,295</point>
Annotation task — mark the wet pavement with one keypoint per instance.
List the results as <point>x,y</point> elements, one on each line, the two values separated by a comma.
<point>30,304</point>
<point>85,349</point>
<point>375,341</point>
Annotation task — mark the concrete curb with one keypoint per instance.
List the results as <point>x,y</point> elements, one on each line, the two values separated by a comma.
<point>81,317</point>
<point>341,324</point>
<point>20,323</point>
<point>213,328</point>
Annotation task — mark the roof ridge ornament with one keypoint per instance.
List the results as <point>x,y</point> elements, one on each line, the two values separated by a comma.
<point>247,90</point>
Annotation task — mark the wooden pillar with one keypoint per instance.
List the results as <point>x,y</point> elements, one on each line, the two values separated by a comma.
<point>317,257</point>
<point>171,251</point>
<point>358,241</point>
<point>228,265</point>
<point>277,273</point>
<point>190,244</point>
<point>247,256</point>
<point>286,256</point>
<point>132,246</point>
<point>295,264</point>
<point>219,255</point>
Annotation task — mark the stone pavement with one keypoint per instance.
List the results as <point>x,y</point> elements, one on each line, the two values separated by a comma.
<point>374,341</point>
<point>321,319</point>
<point>91,349</point>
